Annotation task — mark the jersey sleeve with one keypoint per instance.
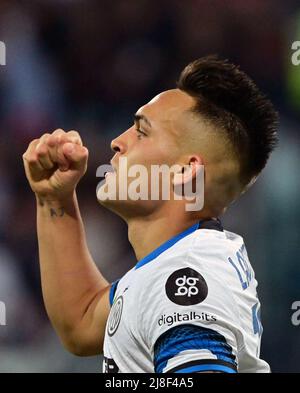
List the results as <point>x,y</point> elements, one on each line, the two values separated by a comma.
<point>190,320</point>
<point>192,348</point>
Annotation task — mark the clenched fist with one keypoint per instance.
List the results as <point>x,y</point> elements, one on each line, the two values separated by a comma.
<point>55,163</point>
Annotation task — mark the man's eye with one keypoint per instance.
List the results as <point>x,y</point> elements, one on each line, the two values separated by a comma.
<point>140,133</point>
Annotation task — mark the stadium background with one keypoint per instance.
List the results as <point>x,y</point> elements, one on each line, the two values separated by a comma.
<point>88,65</point>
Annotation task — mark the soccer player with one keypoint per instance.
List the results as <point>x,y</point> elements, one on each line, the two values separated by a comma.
<point>189,303</point>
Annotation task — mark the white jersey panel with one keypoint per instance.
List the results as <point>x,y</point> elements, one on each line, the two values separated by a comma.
<point>200,290</point>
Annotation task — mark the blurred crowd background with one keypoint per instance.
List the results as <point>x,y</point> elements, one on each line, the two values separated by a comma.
<point>89,65</point>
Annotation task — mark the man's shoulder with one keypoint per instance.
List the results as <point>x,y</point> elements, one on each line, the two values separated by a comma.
<point>203,252</point>
<point>211,242</point>
<point>202,246</point>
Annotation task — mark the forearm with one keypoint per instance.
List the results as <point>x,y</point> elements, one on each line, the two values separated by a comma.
<point>70,278</point>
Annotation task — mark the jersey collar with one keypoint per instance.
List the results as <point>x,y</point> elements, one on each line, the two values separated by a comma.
<point>204,224</point>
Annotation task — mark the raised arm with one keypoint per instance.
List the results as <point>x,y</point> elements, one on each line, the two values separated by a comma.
<point>75,293</point>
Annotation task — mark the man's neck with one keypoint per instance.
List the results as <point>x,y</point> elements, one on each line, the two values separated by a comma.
<point>147,233</point>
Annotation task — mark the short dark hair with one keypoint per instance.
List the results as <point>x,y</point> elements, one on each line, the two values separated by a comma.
<point>229,98</point>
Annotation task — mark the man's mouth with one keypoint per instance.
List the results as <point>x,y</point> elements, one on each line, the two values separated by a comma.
<point>111,171</point>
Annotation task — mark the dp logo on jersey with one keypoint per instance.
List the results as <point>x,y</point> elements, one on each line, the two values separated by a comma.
<point>186,287</point>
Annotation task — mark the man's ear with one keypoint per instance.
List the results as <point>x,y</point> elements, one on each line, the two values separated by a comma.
<point>188,172</point>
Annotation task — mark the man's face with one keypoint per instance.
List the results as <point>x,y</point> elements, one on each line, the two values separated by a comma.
<point>155,138</point>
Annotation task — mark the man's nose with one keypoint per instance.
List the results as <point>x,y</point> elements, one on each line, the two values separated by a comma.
<point>115,146</point>
<point>119,144</point>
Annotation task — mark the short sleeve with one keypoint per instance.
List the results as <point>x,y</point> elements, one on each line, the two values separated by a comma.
<point>193,348</point>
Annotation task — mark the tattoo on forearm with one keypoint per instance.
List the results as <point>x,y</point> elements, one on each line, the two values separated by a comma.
<point>57,212</point>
